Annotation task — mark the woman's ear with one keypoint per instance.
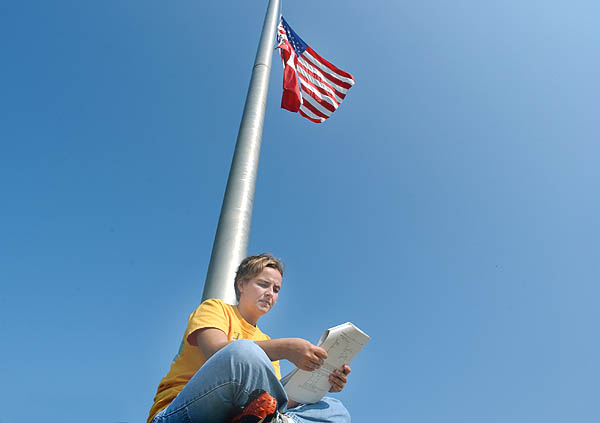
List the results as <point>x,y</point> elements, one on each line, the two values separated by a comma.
<point>240,285</point>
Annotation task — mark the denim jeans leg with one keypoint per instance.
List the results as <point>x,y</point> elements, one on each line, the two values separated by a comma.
<point>222,386</point>
<point>328,410</point>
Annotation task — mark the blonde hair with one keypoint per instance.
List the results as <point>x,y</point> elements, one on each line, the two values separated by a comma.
<point>254,265</point>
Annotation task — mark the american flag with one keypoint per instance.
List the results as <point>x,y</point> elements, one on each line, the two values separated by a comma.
<point>311,85</point>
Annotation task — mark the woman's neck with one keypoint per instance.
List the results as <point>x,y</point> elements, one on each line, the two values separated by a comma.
<point>246,316</point>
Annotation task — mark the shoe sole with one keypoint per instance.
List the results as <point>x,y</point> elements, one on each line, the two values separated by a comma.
<point>259,409</point>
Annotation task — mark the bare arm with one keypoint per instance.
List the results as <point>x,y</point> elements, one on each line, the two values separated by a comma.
<point>302,353</point>
<point>209,340</point>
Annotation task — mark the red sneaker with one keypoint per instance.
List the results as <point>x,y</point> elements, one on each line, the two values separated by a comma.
<point>260,407</point>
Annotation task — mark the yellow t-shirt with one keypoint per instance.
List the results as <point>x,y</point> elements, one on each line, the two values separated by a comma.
<point>210,314</point>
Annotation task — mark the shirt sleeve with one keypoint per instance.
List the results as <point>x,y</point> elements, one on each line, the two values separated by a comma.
<point>210,314</point>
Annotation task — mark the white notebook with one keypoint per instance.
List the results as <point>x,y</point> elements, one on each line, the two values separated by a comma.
<point>342,343</point>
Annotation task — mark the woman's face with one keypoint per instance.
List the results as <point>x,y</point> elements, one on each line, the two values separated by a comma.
<point>259,294</point>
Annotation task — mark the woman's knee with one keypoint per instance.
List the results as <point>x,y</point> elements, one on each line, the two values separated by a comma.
<point>339,413</point>
<point>247,351</point>
<point>327,410</point>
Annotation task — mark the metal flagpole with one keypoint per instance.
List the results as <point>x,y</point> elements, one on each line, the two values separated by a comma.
<point>233,231</point>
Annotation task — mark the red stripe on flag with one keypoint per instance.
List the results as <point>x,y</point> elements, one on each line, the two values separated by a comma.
<point>324,93</point>
<point>308,117</point>
<point>321,90</point>
<point>306,103</point>
<point>324,104</point>
<point>321,101</point>
<point>328,64</point>
<point>318,77</point>
<point>329,76</point>
<point>309,113</point>
<point>310,63</point>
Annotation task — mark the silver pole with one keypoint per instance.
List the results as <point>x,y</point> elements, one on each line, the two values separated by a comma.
<point>233,231</point>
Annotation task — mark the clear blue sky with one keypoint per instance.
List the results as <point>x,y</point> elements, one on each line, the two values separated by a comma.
<point>449,208</point>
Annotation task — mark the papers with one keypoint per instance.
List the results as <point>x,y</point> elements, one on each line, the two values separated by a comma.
<point>342,343</point>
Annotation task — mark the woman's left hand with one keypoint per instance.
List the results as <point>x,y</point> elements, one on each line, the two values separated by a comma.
<point>339,378</point>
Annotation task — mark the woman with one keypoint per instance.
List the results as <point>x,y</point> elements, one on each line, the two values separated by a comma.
<point>227,370</point>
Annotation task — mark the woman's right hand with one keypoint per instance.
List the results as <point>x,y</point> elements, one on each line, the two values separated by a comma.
<point>305,355</point>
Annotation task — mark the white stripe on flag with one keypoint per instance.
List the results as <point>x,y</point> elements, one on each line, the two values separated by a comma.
<point>315,82</point>
<point>327,69</point>
<point>311,114</point>
<point>311,68</point>
<point>315,104</point>
<point>322,97</point>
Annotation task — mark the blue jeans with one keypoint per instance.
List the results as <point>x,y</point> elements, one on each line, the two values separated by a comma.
<point>222,386</point>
